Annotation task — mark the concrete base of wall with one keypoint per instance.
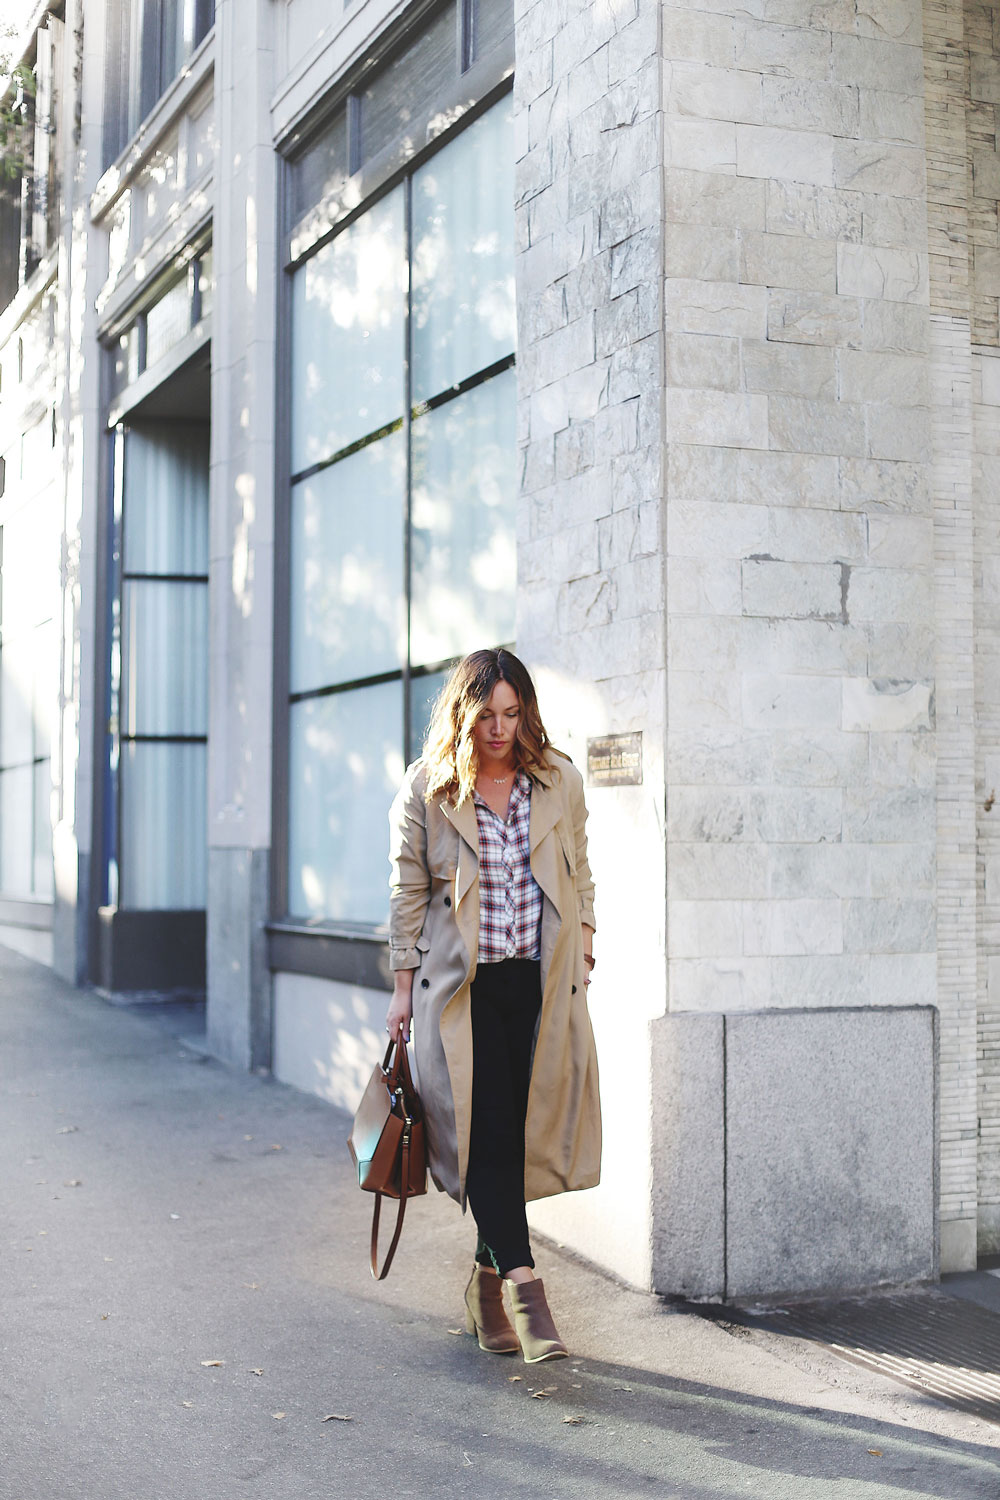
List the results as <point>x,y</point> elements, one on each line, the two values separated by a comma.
<point>327,1036</point>
<point>959,1248</point>
<point>796,1151</point>
<point>238,1012</point>
<point>29,942</point>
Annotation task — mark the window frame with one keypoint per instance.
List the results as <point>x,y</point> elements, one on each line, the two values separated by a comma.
<point>351,952</point>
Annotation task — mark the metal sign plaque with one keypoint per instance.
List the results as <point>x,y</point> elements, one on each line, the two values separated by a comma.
<point>615,760</point>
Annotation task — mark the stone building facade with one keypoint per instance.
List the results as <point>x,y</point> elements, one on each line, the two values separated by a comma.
<point>659,339</point>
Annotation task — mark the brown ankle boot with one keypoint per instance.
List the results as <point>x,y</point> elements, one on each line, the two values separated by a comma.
<point>484,1312</point>
<point>533,1321</point>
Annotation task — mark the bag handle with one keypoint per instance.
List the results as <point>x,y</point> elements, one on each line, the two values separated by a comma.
<point>404,1183</point>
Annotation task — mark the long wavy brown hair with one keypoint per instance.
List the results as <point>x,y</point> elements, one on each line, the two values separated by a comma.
<point>450,753</point>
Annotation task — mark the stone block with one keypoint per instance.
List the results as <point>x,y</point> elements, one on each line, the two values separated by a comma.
<point>893,817</point>
<point>797,104</point>
<point>790,369</point>
<point>817,212</point>
<point>829,15</point>
<point>698,37</point>
<point>889,594</point>
<point>706,985</point>
<point>986,174</point>
<point>899,378</point>
<point>780,590</point>
<point>829,1149</point>
<point>689,252</point>
<point>704,586</point>
<point>892,925</point>
<point>709,815</point>
<point>894,20</point>
<point>884,486</point>
<point>713,529</point>
<point>702,361</point>
<point>797,815</point>
<point>720,307</point>
<point>703,472</point>
<point>898,171</point>
<point>984,78</point>
<point>789,479</point>
<point>898,118</point>
<point>710,757</point>
<point>823,536</point>
<point>793,155</point>
<point>700,872</point>
<point>700,145</point>
<point>704,929</point>
<point>898,222</point>
<point>875,271</point>
<point>875,64</point>
<point>830,871</point>
<point>896,327</point>
<point>874,705</point>
<point>789,260</point>
<point>688,1162</point>
<point>715,93</point>
<point>813,318</point>
<point>898,432</point>
<point>893,868</point>
<point>903,979</point>
<point>796,51</point>
<point>733,420</point>
<point>800,426</point>
<point>712,198</point>
<point>817,981</point>
<point>784,700</point>
<point>816,758</point>
<point>709,698</point>
<point>792,927</point>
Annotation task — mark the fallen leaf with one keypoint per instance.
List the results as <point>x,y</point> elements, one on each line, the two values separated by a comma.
<point>875,1452</point>
<point>105,1317</point>
<point>209,1363</point>
<point>256,1372</point>
<point>43,1231</point>
<point>187,1403</point>
<point>511,1378</point>
<point>466,1459</point>
<point>277,1148</point>
<point>175,1216</point>
<point>67,1129</point>
<point>544,1394</point>
<point>252,1286</point>
<point>248,1137</point>
<point>336,1416</point>
<point>454,1330</point>
<point>73,1182</point>
<point>278,1415</point>
<point>575,1421</point>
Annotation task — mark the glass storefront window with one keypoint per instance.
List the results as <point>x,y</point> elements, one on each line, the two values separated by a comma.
<point>403,489</point>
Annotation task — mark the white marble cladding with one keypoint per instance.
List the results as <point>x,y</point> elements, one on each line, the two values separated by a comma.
<point>799,520</point>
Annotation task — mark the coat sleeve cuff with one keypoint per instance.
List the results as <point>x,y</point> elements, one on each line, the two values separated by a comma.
<point>404,958</point>
<point>587,913</point>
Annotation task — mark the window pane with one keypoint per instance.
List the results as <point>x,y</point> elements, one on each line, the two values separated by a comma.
<point>423,694</point>
<point>348,303</point>
<point>16,696</point>
<point>322,168</point>
<point>166,499</point>
<point>463,255</point>
<point>345,766</point>
<point>347,606</point>
<point>43,832</point>
<point>164,674</point>
<point>167,321</point>
<point>492,20</point>
<point>15,831</point>
<point>45,685</point>
<point>163,834</point>
<point>206,281</point>
<point>404,91</point>
<point>463,558</point>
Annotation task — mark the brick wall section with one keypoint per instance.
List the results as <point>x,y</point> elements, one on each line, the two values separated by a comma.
<point>800,571</point>
<point>982,31</point>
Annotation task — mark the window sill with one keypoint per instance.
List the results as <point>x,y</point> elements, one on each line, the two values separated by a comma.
<point>341,951</point>
<point>27,295</point>
<point>122,172</point>
<point>26,911</point>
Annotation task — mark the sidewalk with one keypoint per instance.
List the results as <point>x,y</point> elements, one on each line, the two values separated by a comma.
<point>161,1214</point>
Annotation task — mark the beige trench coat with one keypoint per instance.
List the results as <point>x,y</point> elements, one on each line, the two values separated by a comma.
<point>434,928</point>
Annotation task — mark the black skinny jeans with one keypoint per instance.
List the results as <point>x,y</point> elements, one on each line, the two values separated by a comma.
<point>506,999</point>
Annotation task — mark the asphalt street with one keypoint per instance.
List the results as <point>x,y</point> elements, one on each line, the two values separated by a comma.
<point>187,1314</point>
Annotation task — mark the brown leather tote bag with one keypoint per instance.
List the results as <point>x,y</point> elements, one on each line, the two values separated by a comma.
<point>387,1142</point>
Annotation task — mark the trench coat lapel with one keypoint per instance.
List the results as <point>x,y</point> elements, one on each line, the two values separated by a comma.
<point>546,810</point>
<point>463,820</point>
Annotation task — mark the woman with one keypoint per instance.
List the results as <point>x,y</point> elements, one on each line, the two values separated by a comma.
<point>491,933</point>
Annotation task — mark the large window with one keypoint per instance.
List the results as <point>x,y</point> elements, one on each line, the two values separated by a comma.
<point>159,673</point>
<point>29,557</point>
<point>148,44</point>
<point>403,484</point>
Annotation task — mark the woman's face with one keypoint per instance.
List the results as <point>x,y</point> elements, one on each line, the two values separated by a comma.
<point>496,726</point>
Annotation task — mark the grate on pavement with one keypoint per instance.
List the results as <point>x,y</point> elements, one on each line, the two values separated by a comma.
<point>936,1344</point>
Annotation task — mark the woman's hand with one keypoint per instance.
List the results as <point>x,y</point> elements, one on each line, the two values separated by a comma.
<point>401,1005</point>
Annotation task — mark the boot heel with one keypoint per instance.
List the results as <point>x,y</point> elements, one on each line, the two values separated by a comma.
<point>470,1323</point>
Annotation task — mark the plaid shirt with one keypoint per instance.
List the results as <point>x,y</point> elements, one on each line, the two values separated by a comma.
<point>510,900</point>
